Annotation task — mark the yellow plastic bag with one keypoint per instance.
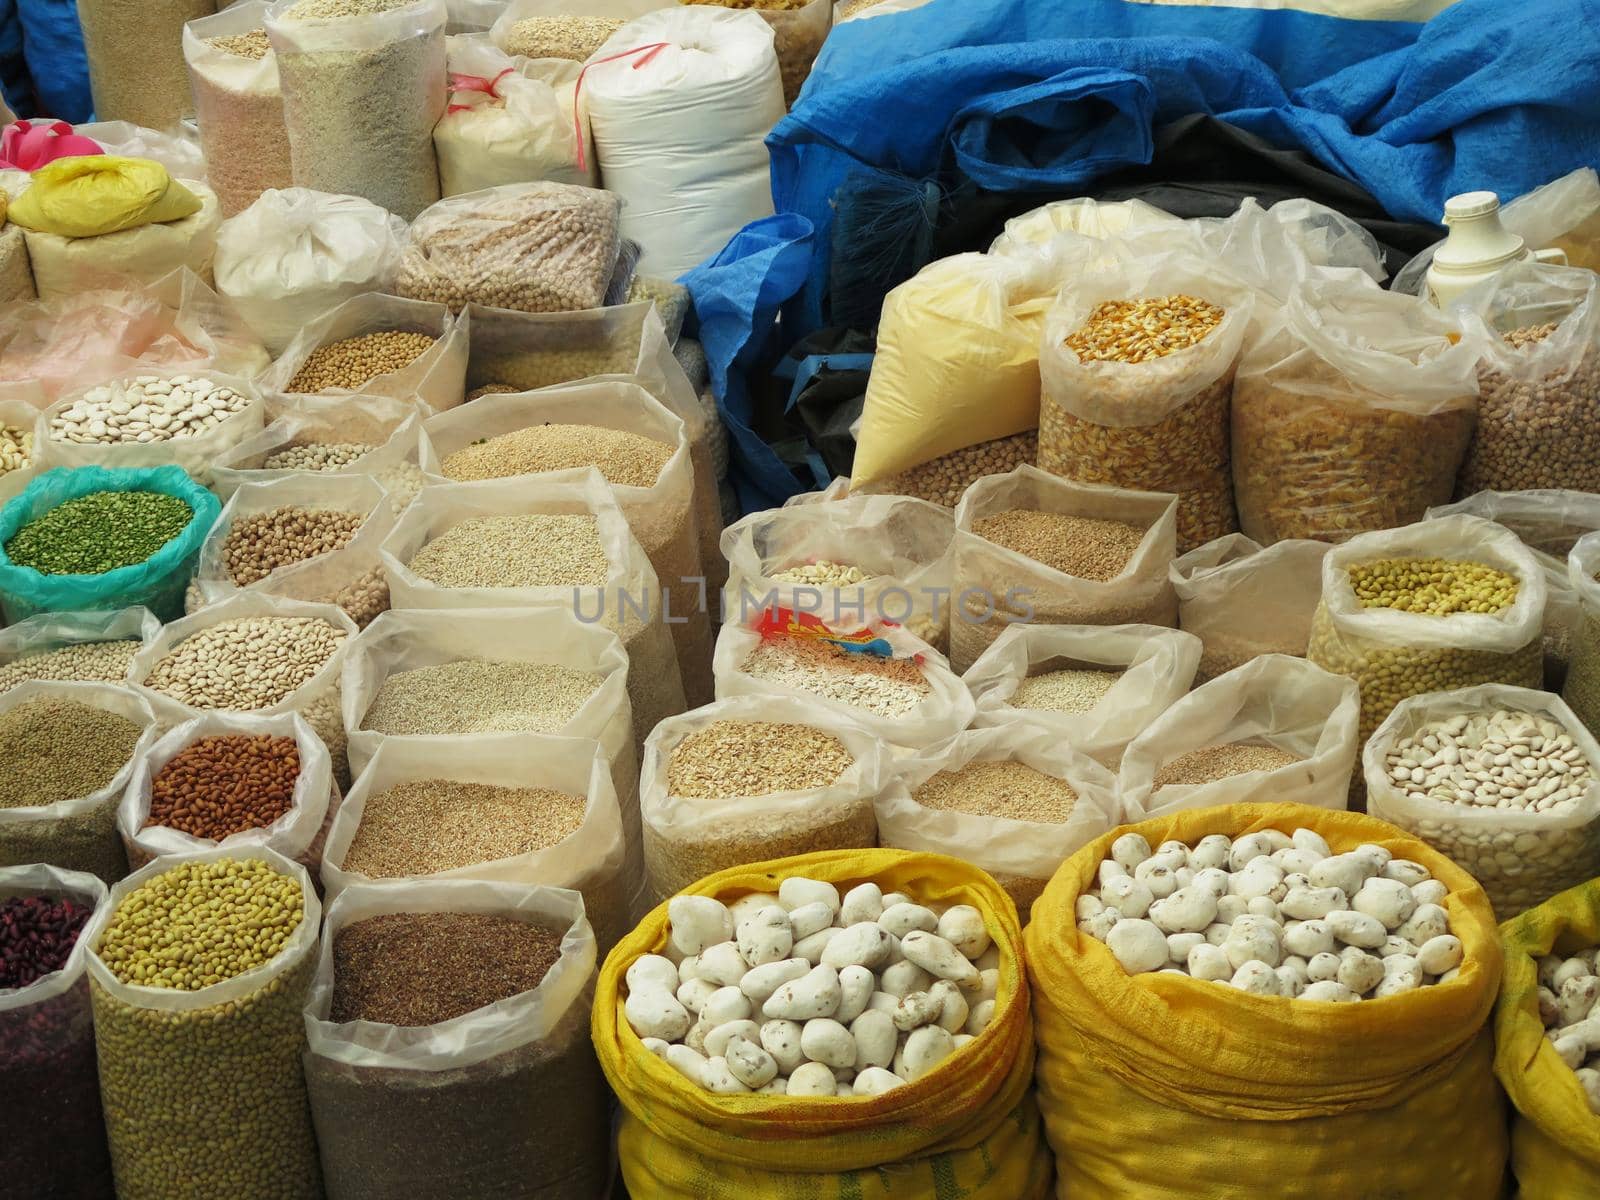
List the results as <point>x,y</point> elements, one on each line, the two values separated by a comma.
<point>968,1129</point>
<point>1555,1139</point>
<point>1162,1087</point>
<point>102,193</point>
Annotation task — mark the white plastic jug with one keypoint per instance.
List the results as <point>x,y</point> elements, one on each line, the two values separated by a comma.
<point>1478,245</point>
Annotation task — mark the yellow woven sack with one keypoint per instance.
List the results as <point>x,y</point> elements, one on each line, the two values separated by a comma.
<point>1555,1139</point>
<point>101,193</point>
<point>969,1129</point>
<point>1162,1087</point>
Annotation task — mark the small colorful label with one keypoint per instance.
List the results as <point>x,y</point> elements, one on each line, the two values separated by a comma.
<point>774,622</point>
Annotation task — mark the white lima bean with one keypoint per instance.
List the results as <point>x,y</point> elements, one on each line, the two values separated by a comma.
<point>809,993</point>
<point>147,408</point>
<point>1568,989</point>
<point>1272,914</point>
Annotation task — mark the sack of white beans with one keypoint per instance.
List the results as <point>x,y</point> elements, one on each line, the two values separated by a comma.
<point>86,646</point>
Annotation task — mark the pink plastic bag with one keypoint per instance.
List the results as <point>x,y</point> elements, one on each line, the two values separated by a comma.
<point>25,146</point>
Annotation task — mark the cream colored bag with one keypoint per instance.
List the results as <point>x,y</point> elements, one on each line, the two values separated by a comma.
<point>1242,601</point>
<point>45,632</point>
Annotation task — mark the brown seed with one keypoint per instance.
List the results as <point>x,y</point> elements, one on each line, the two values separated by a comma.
<point>222,785</point>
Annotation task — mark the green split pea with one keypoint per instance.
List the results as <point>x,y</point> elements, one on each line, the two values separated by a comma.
<point>100,532</point>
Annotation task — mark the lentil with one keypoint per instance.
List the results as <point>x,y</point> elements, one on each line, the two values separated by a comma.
<point>317,456</point>
<point>1434,586</point>
<point>476,696</point>
<point>888,687</point>
<point>99,532</point>
<point>1084,547</point>
<point>1013,791</point>
<point>1069,691</point>
<point>104,662</point>
<point>416,969</point>
<point>53,750</point>
<point>354,362</point>
<point>432,825</point>
<point>248,663</point>
<point>943,479</point>
<point>569,37</point>
<point>262,542</point>
<point>520,551</point>
<point>1211,763</point>
<point>16,449</point>
<point>222,785</point>
<point>625,459</point>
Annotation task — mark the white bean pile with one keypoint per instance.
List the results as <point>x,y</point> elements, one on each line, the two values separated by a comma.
<point>856,994</point>
<point>1274,915</point>
<point>1502,759</point>
<point>1568,989</point>
<point>147,408</point>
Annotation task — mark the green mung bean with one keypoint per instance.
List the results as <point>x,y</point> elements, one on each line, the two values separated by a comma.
<point>99,532</point>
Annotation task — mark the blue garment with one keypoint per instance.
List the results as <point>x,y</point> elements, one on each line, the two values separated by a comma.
<point>44,71</point>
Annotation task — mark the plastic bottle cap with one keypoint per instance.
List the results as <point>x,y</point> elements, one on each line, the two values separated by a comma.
<point>1469,205</point>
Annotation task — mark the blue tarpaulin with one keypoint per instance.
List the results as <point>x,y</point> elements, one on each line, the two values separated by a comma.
<point>1020,95</point>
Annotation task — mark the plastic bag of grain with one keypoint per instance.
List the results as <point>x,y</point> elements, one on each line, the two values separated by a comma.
<point>295,254</point>
<point>1549,522</point>
<point>637,444</point>
<point>799,27</point>
<point>576,553</point>
<point>1093,688</point>
<point>78,833</point>
<point>135,55</point>
<point>1034,548</point>
<point>1013,800</point>
<point>238,105</point>
<point>445,1107</point>
<point>1147,409</point>
<point>363,86</point>
<point>16,274</point>
<point>510,121</point>
<point>1276,729</point>
<point>1351,412</point>
<point>530,809</point>
<point>754,778</point>
<point>20,418</point>
<point>378,346</point>
<point>569,29</point>
<point>297,834</point>
<point>1242,600</point>
<point>1582,689</point>
<point>1393,653</point>
<point>891,683</point>
<point>74,646</point>
<point>349,575</point>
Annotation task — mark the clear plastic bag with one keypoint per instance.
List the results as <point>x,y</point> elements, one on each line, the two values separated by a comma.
<point>48,632</point>
<point>1083,217</point>
<point>238,108</point>
<point>1242,600</point>
<point>1520,858</point>
<point>1582,689</point>
<point>350,577</point>
<point>135,60</point>
<point>797,37</point>
<point>1393,654</point>
<point>361,95</point>
<point>1351,413</point>
<point>24,416</point>
<point>589,860</point>
<point>1273,700</point>
<point>686,839</point>
<point>1157,666</point>
<point>501,1101</point>
<point>904,548</point>
<point>1007,587</point>
<point>434,377</point>
<point>566,29</point>
<point>16,274</point>
<point>1021,855</point>
<point>178,1066</point>
<point>1160,425</point>
<point>298,834</point>
<point>295,254</point>
<point>628,604</point>
<point>79,834</point>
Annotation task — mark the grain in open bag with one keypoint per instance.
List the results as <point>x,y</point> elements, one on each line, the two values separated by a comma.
<point>1110,549</point>
<point>253,652</point>
<point>482,811</point>
<point>1393,653</point>
<point>19,419</point>
<point>484,568</point>
<point>84,647</point>
<point>459,1108</point>
<point>227,792</point>
<point>431,373</point>
<point>1285,1086</point>
<point>238,105</point>
<point>899,688</point>
<point>1302,718</point>
<point>563,28</point>
<point>754,777</point>
<point>1351,412</point>
<point>363,86</point>
<point>1137,364</point>
<point>294,254</point>
<point>204,1032</point>
<point>1549,522</point>
<point>1146,669</point>
<point>1522,840</point>
<point>863,559</point>
<point>1040,801</point>
<point>1243,600</point>
<point>48,1079</point>
<point>969,1124</point>
<point>640,447</point>
<point>1582,689</point>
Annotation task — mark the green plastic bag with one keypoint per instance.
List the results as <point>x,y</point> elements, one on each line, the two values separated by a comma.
<point>158,583</point>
